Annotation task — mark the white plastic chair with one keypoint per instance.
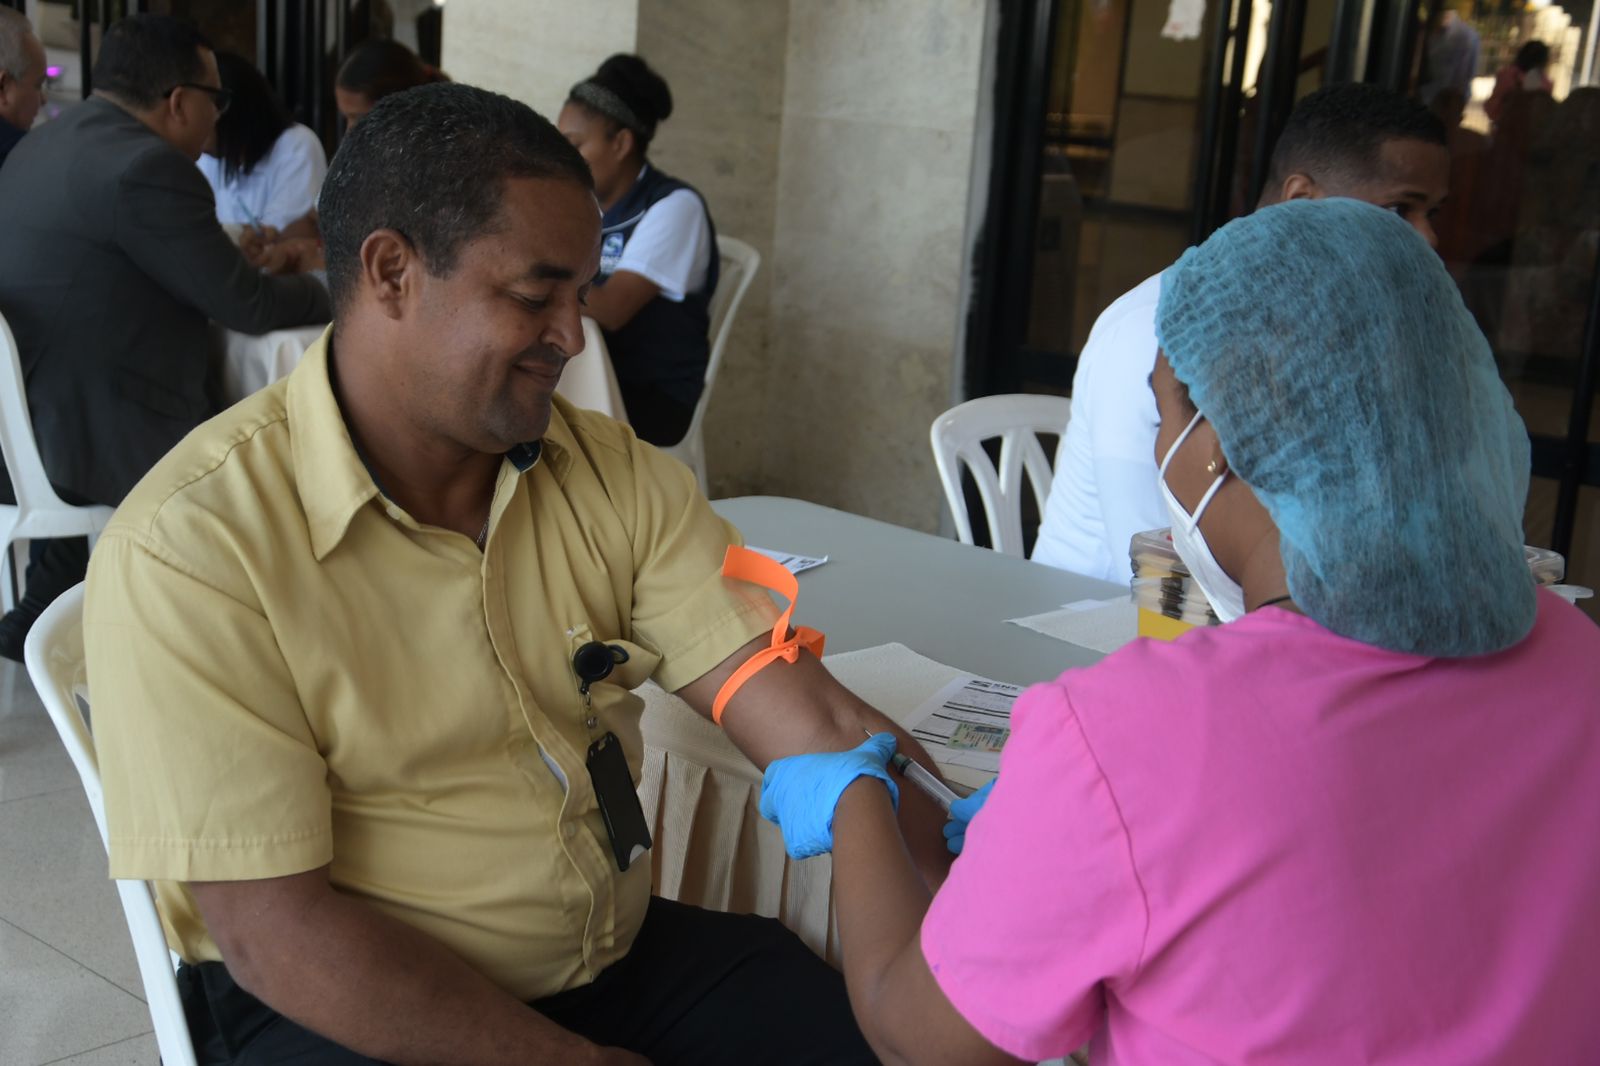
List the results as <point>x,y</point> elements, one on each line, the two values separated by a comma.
<point>38,513</point>
<point>54,657</point>
<point>739,263</point>
<point>1017,419</point>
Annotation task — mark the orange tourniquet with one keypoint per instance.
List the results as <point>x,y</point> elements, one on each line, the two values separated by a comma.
<point>746,565</point>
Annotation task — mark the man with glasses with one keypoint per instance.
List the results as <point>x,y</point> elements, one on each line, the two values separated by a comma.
<point>111,265</point>
<point>22,71</point>
<point>220,97</point>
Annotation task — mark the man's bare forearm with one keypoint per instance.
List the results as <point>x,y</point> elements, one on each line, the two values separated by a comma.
<point>795,708</point>
<point>368,982</point>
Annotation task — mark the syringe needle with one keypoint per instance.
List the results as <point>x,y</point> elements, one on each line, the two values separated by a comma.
<point>924,779</point>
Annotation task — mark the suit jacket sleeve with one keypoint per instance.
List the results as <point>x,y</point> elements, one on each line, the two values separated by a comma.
<point>166,222</point>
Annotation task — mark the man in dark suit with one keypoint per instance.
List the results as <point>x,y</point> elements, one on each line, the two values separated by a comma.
<point>22,74</point>
<point>111,264</point>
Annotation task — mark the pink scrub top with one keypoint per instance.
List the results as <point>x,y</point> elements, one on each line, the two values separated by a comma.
<point>1265,843</point>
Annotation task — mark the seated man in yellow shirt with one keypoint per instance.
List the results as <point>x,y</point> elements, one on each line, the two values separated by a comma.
<point>331,644</point>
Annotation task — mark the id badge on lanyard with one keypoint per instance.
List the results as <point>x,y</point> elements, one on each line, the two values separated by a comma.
<point>608,765</point>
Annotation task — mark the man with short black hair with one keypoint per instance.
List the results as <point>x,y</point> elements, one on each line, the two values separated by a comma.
<point>111,265</point>
<point>340,646</point>
<point>1354,140</point>
<point>22,76</point>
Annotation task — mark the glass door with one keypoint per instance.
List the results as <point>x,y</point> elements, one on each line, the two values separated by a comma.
<point>1516,87</point>
<point>1128,129</point>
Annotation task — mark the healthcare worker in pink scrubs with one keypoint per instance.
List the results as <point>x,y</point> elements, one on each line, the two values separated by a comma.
<point>1355,823</point>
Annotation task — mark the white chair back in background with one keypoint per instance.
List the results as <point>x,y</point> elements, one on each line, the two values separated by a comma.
<point>38,512</point>
<point>54,656</point>
<point>1017,419</point>
<point>739,263</point>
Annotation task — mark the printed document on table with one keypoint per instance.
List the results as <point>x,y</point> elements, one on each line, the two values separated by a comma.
<point>789,561</point>
<point>967,722</point>
<point>1099,625</point>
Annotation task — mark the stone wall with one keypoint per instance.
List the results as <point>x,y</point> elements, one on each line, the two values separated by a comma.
<point>880,104</point>
<point>534,50</point>
<point>725,62</point>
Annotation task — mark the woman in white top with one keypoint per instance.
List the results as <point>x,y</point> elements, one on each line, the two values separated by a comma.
<point>658,249</point>
<point>264,168</point>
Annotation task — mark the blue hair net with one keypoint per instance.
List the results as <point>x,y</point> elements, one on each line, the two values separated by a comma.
<point>1351,389</point>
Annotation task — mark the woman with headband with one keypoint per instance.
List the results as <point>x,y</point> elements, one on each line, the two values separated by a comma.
<point>658,252</point>
<point>1355,824</point>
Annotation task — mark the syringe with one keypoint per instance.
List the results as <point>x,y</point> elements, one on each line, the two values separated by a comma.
<point>914,772</point>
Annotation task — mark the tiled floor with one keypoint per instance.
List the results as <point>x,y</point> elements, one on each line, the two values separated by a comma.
<point>69,986</point>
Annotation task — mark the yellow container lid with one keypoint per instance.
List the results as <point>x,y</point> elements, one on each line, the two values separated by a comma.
<point>1155,624</point>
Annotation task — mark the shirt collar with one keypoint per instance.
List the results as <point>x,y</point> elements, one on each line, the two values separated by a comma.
<point>332,480</point>
<point>9,135</point>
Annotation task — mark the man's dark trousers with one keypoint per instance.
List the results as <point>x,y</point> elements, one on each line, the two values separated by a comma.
<point>699,988</point>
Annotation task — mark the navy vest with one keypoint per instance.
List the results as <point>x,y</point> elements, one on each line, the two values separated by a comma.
<point>666,344</point>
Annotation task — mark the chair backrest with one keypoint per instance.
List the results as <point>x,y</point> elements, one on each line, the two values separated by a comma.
<point>17,442</point>
<point>739,263</point>
<point>1017,419</point>
<point>55,661</point>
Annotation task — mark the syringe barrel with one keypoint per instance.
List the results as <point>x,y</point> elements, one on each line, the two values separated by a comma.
<point>928,783</point>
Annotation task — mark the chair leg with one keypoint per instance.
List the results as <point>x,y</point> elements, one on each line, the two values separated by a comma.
<point>11,591</point>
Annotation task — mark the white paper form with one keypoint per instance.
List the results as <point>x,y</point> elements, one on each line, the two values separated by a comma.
<point>789,561</point>
<point>967,722</point>
<point>1099,625</point>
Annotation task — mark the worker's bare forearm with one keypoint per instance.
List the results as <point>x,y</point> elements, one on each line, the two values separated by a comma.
<point>881,906</point>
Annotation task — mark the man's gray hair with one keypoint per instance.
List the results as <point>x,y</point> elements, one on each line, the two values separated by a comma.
<point>14,29</point>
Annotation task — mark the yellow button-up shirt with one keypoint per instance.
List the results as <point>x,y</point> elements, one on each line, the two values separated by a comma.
<point>287,670</point>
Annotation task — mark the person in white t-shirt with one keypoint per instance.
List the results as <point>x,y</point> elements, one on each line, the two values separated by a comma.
<point>264,169</point>
<point>658,261</point>
<point>1356,141</point>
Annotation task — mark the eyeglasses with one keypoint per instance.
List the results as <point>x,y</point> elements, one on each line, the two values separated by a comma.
<point>221,98</point>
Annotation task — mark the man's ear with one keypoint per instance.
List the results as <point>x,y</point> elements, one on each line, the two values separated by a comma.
<point>174,106</point>
<point>1299,187</point>
<point>173,111</point>
<point>390,267</point>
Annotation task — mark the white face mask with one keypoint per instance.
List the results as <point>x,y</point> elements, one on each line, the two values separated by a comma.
<point>1223,592</point>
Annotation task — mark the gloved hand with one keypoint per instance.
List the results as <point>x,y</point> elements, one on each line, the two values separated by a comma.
<point>798,794</point>
<point>961,812</point>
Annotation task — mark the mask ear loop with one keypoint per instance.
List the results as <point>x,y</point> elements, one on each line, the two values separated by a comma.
<point>1166,460</point>
<point>1205,501</point>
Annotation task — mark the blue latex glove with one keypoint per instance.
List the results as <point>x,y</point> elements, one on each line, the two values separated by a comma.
<point>961,813</point>
<point>798,794</point>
